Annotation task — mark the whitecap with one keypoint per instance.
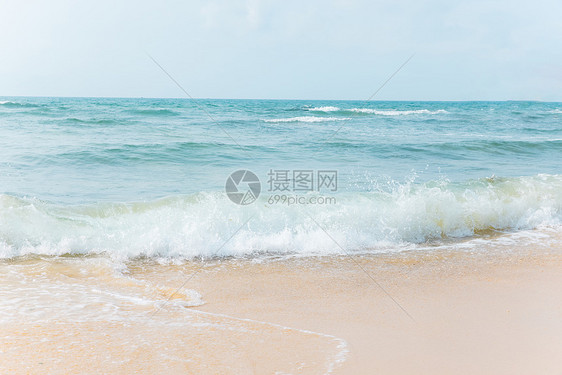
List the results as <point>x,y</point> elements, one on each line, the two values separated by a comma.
<point>308,119</point>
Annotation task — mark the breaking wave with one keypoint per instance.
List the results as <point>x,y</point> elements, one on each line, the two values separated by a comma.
<point>207,224</point>
<point>307,119</point>
<point>378,112</point>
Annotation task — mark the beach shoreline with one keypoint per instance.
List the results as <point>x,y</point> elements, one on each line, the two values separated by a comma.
<point>494,311</point>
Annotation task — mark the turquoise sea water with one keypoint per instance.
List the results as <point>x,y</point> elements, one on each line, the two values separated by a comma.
<point>134,177</point>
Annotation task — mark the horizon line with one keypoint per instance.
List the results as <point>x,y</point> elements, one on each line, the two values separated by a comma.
<point>283,99</point>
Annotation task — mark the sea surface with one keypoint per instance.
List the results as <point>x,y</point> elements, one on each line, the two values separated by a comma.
<point>129,178</point>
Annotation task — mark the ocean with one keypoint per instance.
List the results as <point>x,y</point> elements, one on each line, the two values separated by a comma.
<point>164,235</point>
<point>129,178</point>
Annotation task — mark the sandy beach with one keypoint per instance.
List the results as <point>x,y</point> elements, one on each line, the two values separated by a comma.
<point>471,314</point>
<point>425,312</point>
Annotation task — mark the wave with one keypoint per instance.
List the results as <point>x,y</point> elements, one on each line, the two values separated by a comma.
<point>92,121</point>
<point>10,104</point>
<point>399,113</point>
<point>324,109</point>
<point>469,149</point>
<point>307,119</point>
<point>201,225</point>
<point>142,153</point>
<point>153,112</point>
<point>484,147</point>
<point>378,112</point>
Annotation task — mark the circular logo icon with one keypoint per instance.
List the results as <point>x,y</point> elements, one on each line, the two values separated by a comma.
<point>243,187</point>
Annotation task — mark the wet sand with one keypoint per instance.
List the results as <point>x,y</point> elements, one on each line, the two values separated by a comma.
<point>428,312</point>
<point>497,314</point>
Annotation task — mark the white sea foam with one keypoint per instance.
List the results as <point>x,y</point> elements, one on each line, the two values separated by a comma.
<point>398,113</point>
<point>324,109</point>
<point>202,224</point>
<point>382,112</point>
<point>84,290</point>
<point>307,119</point>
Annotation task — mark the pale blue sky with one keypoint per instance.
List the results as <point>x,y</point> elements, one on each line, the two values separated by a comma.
<point>465,50</point>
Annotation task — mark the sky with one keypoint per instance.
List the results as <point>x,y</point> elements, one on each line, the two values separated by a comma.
<point>464,50</point>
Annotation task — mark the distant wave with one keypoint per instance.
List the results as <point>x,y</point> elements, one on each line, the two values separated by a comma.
<point>153,112</point>
<point>307,119</point>
<point>197,225</point>
<point>378,112</point>
<point>10,104</point>
<point>399,113</point>
<point>555,111</point>
<point>453,149</point>
<point>324,109</point>
<point>89,121</point>
<point>124,154</point>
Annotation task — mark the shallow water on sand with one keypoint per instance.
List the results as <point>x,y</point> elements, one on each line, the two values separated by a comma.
<point>74,313</point>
